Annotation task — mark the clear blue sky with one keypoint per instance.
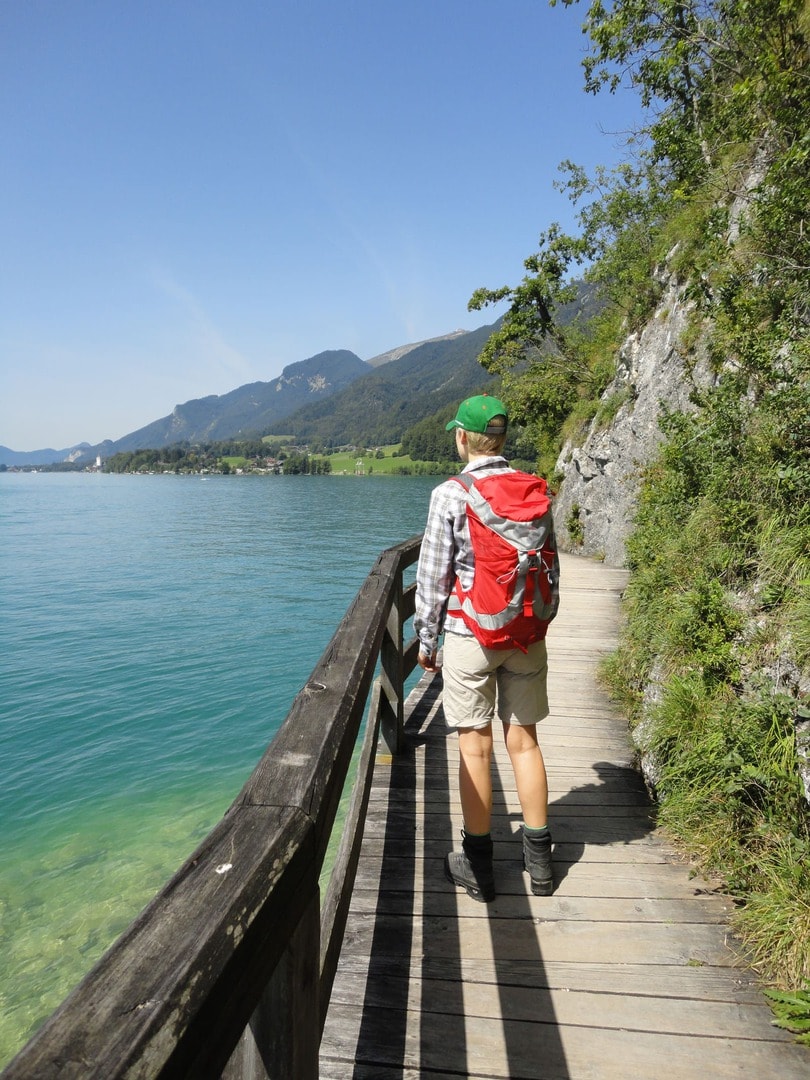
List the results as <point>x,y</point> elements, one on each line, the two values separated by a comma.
<point>195,193</point>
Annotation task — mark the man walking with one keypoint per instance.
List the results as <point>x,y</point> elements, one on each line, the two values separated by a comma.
<point>481,680</point>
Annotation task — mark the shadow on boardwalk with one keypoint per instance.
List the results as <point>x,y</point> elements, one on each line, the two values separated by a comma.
<point>427,1002</point>
<point>618,785</point>
<point>626,971</point>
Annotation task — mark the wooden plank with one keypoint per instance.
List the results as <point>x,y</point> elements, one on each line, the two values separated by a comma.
<point>581,1008</point>
<point>640,980</point>
<point>700,909</point>
<point>620,880</point>
<point>507,852</point>
<point>478,1046</point>
<point>340,1069</point>
<point>615,866</point>
<point>342,877</point>
<point>582,801</point>
<point>626,828</point>
<point>476,937</point>
<point>591,777</point>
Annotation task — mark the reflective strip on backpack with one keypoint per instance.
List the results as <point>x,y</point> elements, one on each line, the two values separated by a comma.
<point>502,618</point>
<point>498,620</point>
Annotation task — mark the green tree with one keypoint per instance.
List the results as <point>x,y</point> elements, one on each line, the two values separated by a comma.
<point>427,440</point>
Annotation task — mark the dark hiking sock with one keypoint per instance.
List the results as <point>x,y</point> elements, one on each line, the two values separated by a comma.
<point>543,831</point>
<point>477,839</point>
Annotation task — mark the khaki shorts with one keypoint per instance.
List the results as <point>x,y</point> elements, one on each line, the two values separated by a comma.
<point>480,682</point>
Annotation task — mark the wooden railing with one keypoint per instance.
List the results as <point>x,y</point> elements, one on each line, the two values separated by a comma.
<point>229,970</point>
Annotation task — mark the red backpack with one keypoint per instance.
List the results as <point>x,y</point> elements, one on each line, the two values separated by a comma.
<point>515,589</point>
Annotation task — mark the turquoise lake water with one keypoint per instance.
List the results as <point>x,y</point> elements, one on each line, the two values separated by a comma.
<point>154,633</point>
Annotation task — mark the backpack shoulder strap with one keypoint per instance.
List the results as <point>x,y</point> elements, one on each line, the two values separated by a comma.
<point>465,479</point>
<point>470,480</point>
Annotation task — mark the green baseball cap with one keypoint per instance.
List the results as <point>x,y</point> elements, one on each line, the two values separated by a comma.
<point>484,414</point>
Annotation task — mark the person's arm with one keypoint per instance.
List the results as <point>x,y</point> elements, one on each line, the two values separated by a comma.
<point>435,577</point>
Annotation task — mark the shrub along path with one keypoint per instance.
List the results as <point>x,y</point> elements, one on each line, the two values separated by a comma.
<point>628,970</point>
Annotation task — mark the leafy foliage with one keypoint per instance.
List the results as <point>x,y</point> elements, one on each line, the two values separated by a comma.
<point>427,440</point>
<point>201,457</point>
<point>792,1011</point>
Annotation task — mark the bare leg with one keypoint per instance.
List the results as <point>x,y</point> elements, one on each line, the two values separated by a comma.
<point>530,773</point>
<point>475,778</point>
<point>471,868</point>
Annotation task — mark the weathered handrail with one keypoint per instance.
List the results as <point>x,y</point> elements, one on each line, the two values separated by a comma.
<point>228,971</point>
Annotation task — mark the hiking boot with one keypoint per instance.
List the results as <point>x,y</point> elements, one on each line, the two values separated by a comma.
<point>471,868</point>
<point>537,860</point>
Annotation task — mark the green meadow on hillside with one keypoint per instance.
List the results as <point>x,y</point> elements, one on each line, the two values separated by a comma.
<point>383,463</point>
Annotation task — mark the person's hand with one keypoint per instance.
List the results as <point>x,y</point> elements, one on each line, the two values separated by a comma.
<point>428,661</point>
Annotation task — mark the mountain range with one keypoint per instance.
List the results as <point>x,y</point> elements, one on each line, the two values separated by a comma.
<point>333,398</point>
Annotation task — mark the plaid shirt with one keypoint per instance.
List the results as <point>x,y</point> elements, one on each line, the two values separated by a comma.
<point>446,555</point>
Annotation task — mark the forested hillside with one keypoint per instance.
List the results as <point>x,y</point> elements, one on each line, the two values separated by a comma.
<point>409,399</point>
<point>710,209</point>
<point>378,409</point>
<point>250,410</point>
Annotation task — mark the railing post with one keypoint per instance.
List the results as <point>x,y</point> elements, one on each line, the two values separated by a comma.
<point>282,1039</point>
<point>392,705</point>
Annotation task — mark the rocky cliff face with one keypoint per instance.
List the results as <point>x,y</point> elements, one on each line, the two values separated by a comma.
<point>594,510</point>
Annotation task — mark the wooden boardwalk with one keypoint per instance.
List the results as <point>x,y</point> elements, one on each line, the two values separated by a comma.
<point>627,971</point>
